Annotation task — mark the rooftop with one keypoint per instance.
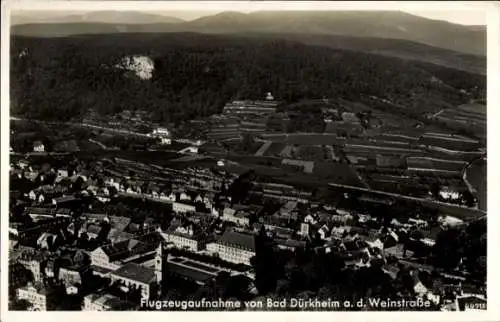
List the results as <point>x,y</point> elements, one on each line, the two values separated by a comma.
<point>189,273</point>
<point>238,240</point>
<point>136,272</point>
<point>65,199</point>
<point>111,301</point>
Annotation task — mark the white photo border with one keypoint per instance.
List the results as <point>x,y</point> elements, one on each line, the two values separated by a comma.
<point>493,114</point>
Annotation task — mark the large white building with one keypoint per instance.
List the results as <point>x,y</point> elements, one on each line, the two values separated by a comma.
<point>234,247</point>
<point>163,134</point>
<point>150,280</point>
<point>41,298</point>
<point>304,229</point>
<point>231,215</point>
<point>185,238</point>
<point>183,207</point>
<point>38,147</point>
<point>132,274</point>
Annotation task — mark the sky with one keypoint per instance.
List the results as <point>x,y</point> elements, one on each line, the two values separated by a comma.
<point>470,17</point>
<point>459,17</point>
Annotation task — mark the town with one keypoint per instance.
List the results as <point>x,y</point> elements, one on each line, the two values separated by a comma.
<point>241,212</point>
<point>318,160</point>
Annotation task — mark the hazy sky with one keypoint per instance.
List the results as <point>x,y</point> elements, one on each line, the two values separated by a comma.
<point>460,17</point>
<point>470,17</point>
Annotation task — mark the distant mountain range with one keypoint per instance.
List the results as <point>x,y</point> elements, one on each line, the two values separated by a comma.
<point>387,33</point>
<point>107,17</point>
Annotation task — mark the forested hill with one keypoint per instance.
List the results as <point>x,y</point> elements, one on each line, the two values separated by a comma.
<point>194,75</point>
<point>393,34</point>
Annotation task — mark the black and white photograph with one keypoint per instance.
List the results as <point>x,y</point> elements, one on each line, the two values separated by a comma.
<point>248,159</point>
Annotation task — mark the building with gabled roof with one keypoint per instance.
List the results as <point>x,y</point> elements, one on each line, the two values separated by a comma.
<point>38,146</point>
<point>135,273</point>
<point>42,297</point>
<point>113,255</point>
<point>187,236</point>
<point>106,302</point>
<point>234,247</point>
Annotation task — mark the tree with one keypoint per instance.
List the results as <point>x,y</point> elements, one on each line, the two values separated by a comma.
<point>247,141</point>
<point>266,270</point>
<point>197,77</point>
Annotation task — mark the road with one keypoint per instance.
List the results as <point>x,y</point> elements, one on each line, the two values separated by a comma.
<point>99,144</point>
<point>92,126</point>
<point>437,114</point>
<point>461,212</point>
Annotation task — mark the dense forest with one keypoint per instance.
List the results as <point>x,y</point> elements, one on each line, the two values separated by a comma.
<point>194,75</point>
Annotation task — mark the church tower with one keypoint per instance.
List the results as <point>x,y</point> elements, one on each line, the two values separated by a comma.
<point>161,260</point>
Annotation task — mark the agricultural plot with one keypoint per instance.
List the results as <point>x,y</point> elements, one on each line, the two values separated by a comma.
<point>395,138</point>
<point>358,160</point>
<point>312,139</point>
<point>460,157</point>
<point>305,138</point>
<point>263,148</point>
<point>412,186</point>
<point>448,165</point>
<point>274,172</point>
<point>252,160</point>
<point>471,117</point>
<point>311,153</point>
<point>472,113</point>
<point>161,158</point>
<point>456,143</point>
<point>478,109</point>
<point>288,151</point>
<point>274,137</point>
<point>339,173</point>
<point>254,147</point>
<point>329,152</point>
<point>275,149</point>
<point>370,148</point>
<point>417,162</point>
<point>400,187</point>
<point>353,106</point>
<point>307,166</point>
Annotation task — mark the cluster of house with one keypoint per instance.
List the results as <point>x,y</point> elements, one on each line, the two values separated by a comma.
<point>123,250</point>
<point>47,257</point>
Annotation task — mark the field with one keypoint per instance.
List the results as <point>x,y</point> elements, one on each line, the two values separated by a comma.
<point>275,149</point>
<point>237,146</point>
<point>312,153</point>
<point>442,208</point>
<point>450,142</point>
<point>371,148</point>
<point>161,158</point>
<point>263,148</point>
<point>474,114</point>
<point>339,173</point>
<point>288,151</point>
<point>305,138</point>
<point>395,137</point>
<point>437,164</point>
<point>469,117</point>
<point>307,166</point>
<point>252,160</point>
